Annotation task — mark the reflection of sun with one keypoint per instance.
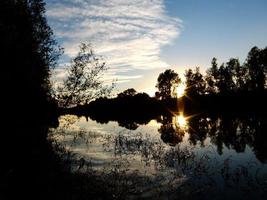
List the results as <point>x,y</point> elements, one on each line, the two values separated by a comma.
<point>181,121</point>
<point>180,90</point>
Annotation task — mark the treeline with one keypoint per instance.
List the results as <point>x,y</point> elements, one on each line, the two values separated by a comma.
<point>231,77</point>
<point>230,87</point>
<point>128,105</point>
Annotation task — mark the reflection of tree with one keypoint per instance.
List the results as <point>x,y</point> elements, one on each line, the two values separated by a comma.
<point>198,129</point>
<point>131,125</point>
<point>170,133</point>
<point>233,133</point>
<point>259,138</point>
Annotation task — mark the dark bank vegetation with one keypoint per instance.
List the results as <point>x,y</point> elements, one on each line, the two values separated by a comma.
<point>29,51</point>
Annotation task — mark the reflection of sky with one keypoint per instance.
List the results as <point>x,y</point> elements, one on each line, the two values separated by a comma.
<point>109,147</point>
<point>98,143</point>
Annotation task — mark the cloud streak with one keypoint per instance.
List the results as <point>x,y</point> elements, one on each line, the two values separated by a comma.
<point>128,33</point>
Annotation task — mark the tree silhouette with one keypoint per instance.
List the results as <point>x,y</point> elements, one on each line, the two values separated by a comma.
<point>128,92</point>
<point>233,77</point>
<point>238,73</point>
<point>195,83</point>
<point>84,81</point>
<point>257,68</point>
<point>225,83</point>
<point>166,81</point>
<point>29,52</point>
<point>211,77</point>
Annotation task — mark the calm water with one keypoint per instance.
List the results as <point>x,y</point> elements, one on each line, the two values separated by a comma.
<point>176,156</point>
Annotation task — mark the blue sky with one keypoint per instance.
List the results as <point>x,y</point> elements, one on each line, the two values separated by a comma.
<point>141,38</point>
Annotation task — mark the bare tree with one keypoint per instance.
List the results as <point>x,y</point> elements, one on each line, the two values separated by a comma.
<point>84,81</point>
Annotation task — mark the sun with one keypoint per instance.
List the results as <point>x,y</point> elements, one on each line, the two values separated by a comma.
<point>180,90</point>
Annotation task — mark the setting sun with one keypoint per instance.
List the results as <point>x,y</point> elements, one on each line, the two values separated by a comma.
<point>180,90</point>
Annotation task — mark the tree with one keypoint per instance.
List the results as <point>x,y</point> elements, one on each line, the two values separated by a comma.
<point>166,81</point>
<point>257,68</point>
<point>129,92</point>
<point>195,83</point>
<point>211,77</point>
<point>29,52</point>
<point>239,75</point>
<point>84,81</point>
<point>228,78</point>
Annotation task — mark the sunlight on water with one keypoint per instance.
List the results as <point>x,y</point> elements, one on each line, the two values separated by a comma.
<point>180,121</point>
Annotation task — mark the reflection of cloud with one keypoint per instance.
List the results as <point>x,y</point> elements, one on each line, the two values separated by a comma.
<point>128,33</point>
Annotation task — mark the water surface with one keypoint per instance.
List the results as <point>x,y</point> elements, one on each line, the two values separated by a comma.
<point>197,156</point>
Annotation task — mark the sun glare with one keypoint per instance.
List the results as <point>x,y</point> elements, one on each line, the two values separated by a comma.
<point>180,90</point>
<point>181,121</point>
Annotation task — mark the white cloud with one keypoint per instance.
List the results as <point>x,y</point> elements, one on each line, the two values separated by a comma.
<point>128,33</point>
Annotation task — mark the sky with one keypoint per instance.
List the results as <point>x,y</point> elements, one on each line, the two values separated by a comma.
<point>139,39</point>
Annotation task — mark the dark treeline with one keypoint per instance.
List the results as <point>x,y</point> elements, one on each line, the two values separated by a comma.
<point>230,87</point>
<point>230,77</point>
<point>128,105</point>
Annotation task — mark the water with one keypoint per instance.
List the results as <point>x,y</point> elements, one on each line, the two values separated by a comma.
<point>198,156</point>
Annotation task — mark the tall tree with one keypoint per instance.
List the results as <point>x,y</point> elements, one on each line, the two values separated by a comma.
<point>211,77</point>
<point>166,81</point>
<point>225,82</point>
<point>195,83</point>
<point>257,68</point>
<point>29,51</point>
<point>237,75</point>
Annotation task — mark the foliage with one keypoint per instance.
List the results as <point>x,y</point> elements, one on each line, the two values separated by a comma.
<point>84,81</point>
<point>30,51</point>
<point>231,77</point>
<point>128,92</point>
<point>166,81</point>
<point>195,83</point>
<point>211,77</point>
<point>257,68</point>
